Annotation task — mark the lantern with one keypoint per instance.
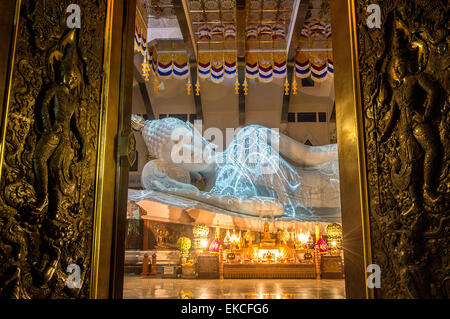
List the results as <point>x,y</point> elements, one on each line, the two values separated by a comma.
<point>334,233</point>
<point>215,245</point>
<point>201,233</point>
<point>323,247</point>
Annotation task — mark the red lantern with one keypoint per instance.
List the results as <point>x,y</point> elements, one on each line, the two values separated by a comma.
<point>323,247</point>
<point>214,247</point>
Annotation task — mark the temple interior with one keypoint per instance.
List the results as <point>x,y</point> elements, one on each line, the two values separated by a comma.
<point>232,73</point>
<point>224,149</point>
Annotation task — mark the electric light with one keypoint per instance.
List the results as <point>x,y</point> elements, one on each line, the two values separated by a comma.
<point>235,238</point>
<point>227,239</point>
<point>303,237</point>
<point>334,233</point>
<point>200,231</point>
<point>203,243</point>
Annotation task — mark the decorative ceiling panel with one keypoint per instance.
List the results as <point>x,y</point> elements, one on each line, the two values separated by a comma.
<point>214,25</point>
<point>316,32</point>
<point>205,14</point>
<point>269,12</point>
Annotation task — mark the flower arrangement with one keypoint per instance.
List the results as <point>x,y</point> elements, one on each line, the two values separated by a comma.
<point>183,245</point>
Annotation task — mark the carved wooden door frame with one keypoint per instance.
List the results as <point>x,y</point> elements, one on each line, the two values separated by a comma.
<point>112,188</point>
<point>352,150</point>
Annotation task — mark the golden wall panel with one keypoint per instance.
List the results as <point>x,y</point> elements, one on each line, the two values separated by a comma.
<point>404,86</point>
<point>50,144</point>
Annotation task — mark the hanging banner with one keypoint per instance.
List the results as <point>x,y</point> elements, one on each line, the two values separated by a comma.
<point>217,68</point>
<point>154,59</point>
<point>265,58</point>
<point>330,65</point>
<point>165,66</point>
<point>204,55</point>
<point>204,65</point>
<point>251,65</point>
<point>279,65</point>
<point>217,55</point>
<point>180,66</point>
<point>302,69</point>
<point>230,65</point>
<point>265,67</point>
<point>317,65</point>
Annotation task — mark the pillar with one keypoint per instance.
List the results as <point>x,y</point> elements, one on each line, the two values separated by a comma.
<point>317,255</point>
<point>145,234</point>
<point>153,267</point>
<point>145,265</point>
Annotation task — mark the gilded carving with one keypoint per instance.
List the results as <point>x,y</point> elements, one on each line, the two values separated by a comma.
<point>404,77</point>
<point>48,173</point>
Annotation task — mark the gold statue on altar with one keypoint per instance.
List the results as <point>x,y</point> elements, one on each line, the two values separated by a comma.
<point>269,250</point>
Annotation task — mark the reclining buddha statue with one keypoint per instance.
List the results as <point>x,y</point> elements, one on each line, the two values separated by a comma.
<point>261,173</point>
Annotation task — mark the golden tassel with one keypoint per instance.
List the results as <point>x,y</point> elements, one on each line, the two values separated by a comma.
<point>294,84</point>
<point>197,87</point>
<point>188,86</point>
<point>286,87</point>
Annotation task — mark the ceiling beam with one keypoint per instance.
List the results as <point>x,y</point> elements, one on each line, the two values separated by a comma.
<point>241,105</point>
<point>197,98</point>
<point>300,11</point>
<point>241,24</point>
<point>144,93</point>
<point>184,21</point>
<point>286,98</point>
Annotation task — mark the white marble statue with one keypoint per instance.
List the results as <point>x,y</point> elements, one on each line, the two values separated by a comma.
<point>261,172</point>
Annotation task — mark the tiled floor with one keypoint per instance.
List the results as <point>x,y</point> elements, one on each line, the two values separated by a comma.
<point>139,287</point>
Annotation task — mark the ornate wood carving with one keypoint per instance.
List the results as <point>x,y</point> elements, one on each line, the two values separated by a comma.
<point>48,173</point>
<point>405,85</point>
